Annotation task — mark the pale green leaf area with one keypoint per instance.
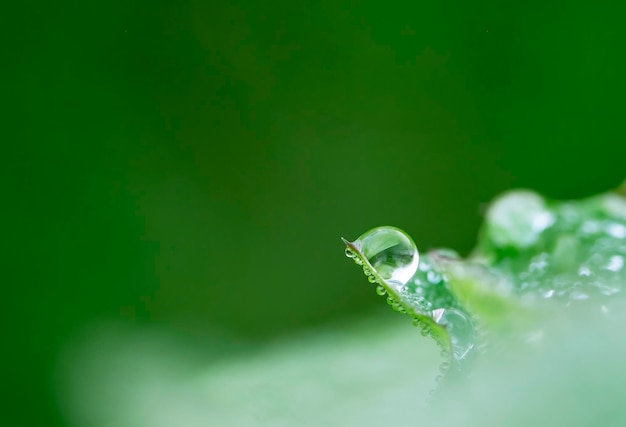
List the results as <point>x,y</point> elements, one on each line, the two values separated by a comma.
<point>528,330</point>
<point>363,373</point>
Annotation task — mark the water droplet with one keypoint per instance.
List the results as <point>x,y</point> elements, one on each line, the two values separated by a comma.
<point>424,266</point>
<point>616,230</point>
<point>590,227</point>
<point>371,279</point>
<point>539,263</point>
<point>459,328</point>
<point>380,290</point>
<point>548,293</point>
<point>517,219</point>
<point>616,263</point>
<point>607,287</point>
<point>398,307</point>
<point>578,295</point>
<point>350,253</point>
<point>433,277</point>
<point>390,252</point>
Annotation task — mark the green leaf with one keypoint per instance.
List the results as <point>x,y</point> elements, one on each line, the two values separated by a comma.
<point>532,255</point>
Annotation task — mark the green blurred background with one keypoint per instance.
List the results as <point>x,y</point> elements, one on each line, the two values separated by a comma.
<point>193,164</point>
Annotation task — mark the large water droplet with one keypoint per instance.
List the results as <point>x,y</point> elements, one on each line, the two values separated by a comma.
<point>459,328</point>
<point>390,252</point>
<point>517,219</point>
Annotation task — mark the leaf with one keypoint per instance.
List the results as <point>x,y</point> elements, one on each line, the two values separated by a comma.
<point>532,255</point>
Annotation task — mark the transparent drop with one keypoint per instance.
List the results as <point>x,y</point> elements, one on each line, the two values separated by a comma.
<point>459,328</point>
<point>433,277</point>
<point>615,263</point>
<point>371,279</point>
<point>616,230</point>
<point>380,290</point>
<point>350,253</point>
<point>390,252</point>
<point>578,295</point>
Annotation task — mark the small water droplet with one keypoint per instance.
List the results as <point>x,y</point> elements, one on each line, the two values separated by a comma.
<point>607,287</point>
<point>578,295</point>
<point>371,278</point>
<point>616,263</point>
<point>517,219</point>
<point>548,294</point>
<point>590,227</point>
<point>616,230</point>
<point>390,252</point>
<point>539,263</point>
<point>350,253</point>
<point>459,328</point>
<point>398,307</point>
<point>380,290</point>
<point>433,277</point>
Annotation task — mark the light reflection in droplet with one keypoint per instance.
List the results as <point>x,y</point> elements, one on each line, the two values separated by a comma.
<point>616,262</point>
<point>616,230</point>
<point>390,252</point>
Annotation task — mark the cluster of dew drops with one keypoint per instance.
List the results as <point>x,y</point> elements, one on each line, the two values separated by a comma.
<point>579,257</point>
<point>393,263</point>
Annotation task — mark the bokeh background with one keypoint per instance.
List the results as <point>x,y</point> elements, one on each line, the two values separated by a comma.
<point>191,165</point>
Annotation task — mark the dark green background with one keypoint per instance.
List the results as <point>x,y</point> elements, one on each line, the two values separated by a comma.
<point>193,164</point>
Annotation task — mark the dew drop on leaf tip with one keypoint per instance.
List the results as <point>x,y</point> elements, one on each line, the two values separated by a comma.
<point>389,251</point>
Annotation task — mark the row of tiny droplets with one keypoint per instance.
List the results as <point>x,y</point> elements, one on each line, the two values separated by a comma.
<point>446,354</point>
